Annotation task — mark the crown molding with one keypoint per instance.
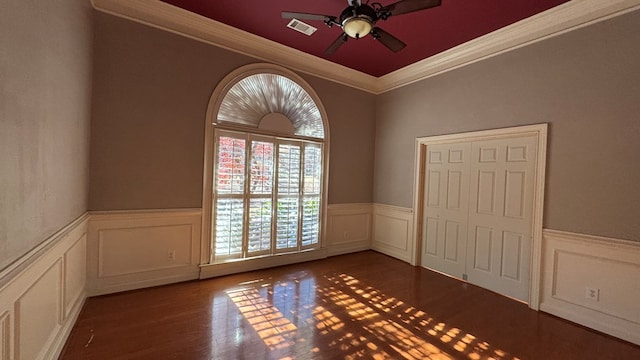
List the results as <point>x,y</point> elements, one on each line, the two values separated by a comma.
<point>561,19</point>
<point>569,16</point>
<point>173,19</point>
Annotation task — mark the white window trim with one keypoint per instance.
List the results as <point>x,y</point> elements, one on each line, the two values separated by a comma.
<point>210,125</point>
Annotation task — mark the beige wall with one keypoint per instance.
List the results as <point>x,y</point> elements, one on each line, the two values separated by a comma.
<point>351,114</point>
<point>151,90</point>
<point>45,90</point>
<point>585,84</point>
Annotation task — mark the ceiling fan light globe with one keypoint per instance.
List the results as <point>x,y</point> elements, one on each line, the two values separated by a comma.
<point>357,27</point>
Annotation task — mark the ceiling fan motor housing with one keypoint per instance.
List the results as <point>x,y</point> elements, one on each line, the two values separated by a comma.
<point>358,21</point>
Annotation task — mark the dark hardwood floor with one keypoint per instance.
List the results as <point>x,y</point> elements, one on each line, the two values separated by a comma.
<point>359,306</point>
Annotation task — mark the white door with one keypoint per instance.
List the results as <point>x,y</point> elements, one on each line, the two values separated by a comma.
<point>446,209</point>
<point>478,212</point>
<point>501,215</point>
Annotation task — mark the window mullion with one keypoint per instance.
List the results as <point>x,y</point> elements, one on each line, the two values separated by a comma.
<point>274,184</point>
<point>274,195</point>
<point>214,196</point>
<point>246,196</point>
<point>300,194</point>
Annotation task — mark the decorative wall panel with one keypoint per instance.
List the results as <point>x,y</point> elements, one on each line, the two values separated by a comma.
<point>348,228</point>
<point>136,249</point>
<point>393,231</point>
<point>592,281</point>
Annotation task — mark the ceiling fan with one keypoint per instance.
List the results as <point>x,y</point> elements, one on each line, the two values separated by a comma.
<point>358,20</point>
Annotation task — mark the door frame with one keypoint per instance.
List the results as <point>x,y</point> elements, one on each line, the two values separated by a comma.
<point>538,130</point>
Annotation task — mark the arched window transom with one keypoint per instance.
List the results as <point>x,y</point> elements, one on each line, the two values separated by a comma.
<point>255,97</point>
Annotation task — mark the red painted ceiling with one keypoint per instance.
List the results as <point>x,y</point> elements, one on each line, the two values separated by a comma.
<point>426,32</point>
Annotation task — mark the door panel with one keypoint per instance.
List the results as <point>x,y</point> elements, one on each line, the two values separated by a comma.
<point>445,214</point>
<point>514,194</point>
<point>454,190</point>
<point>486,192</point>
<point>511,248</point>
<point>452,241</point>
<point>501,200</point>
<point>433,189</point>
<point>480,247</point>
<point>430,245</point>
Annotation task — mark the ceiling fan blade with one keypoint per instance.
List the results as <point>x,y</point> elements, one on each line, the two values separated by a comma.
<point>305,16</point>
<point>393,43</point>
<point>336,44</point>
<point>407,6</point>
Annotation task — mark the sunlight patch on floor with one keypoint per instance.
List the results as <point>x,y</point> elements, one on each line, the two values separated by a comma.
<point>274,329</point>
<point>393,328</point>
<point>406,332</point>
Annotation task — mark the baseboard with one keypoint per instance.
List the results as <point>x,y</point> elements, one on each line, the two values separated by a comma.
<point>343,249</point>
<point>393,231</point>
<point>41,298</point>
<point>575,265</point>
<point>136,249</point>
<point>65,331</point>
<point>145,281</point>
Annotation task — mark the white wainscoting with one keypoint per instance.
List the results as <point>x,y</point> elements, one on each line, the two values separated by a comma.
<point>348,228</point>
<point>135,249</point>
<point>42,294</point>
<point>574,264</point>
<point>393,231</point>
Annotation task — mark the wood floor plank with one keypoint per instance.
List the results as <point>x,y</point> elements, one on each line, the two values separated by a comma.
<point>357,306</point>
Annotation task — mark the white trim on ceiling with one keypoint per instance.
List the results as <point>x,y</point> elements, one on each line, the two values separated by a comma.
<point>569,16</point>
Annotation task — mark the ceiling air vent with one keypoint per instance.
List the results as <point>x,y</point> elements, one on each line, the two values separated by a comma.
<point>298,25</point>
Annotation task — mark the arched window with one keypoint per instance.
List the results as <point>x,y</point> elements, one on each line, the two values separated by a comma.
<point>265,165</point>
